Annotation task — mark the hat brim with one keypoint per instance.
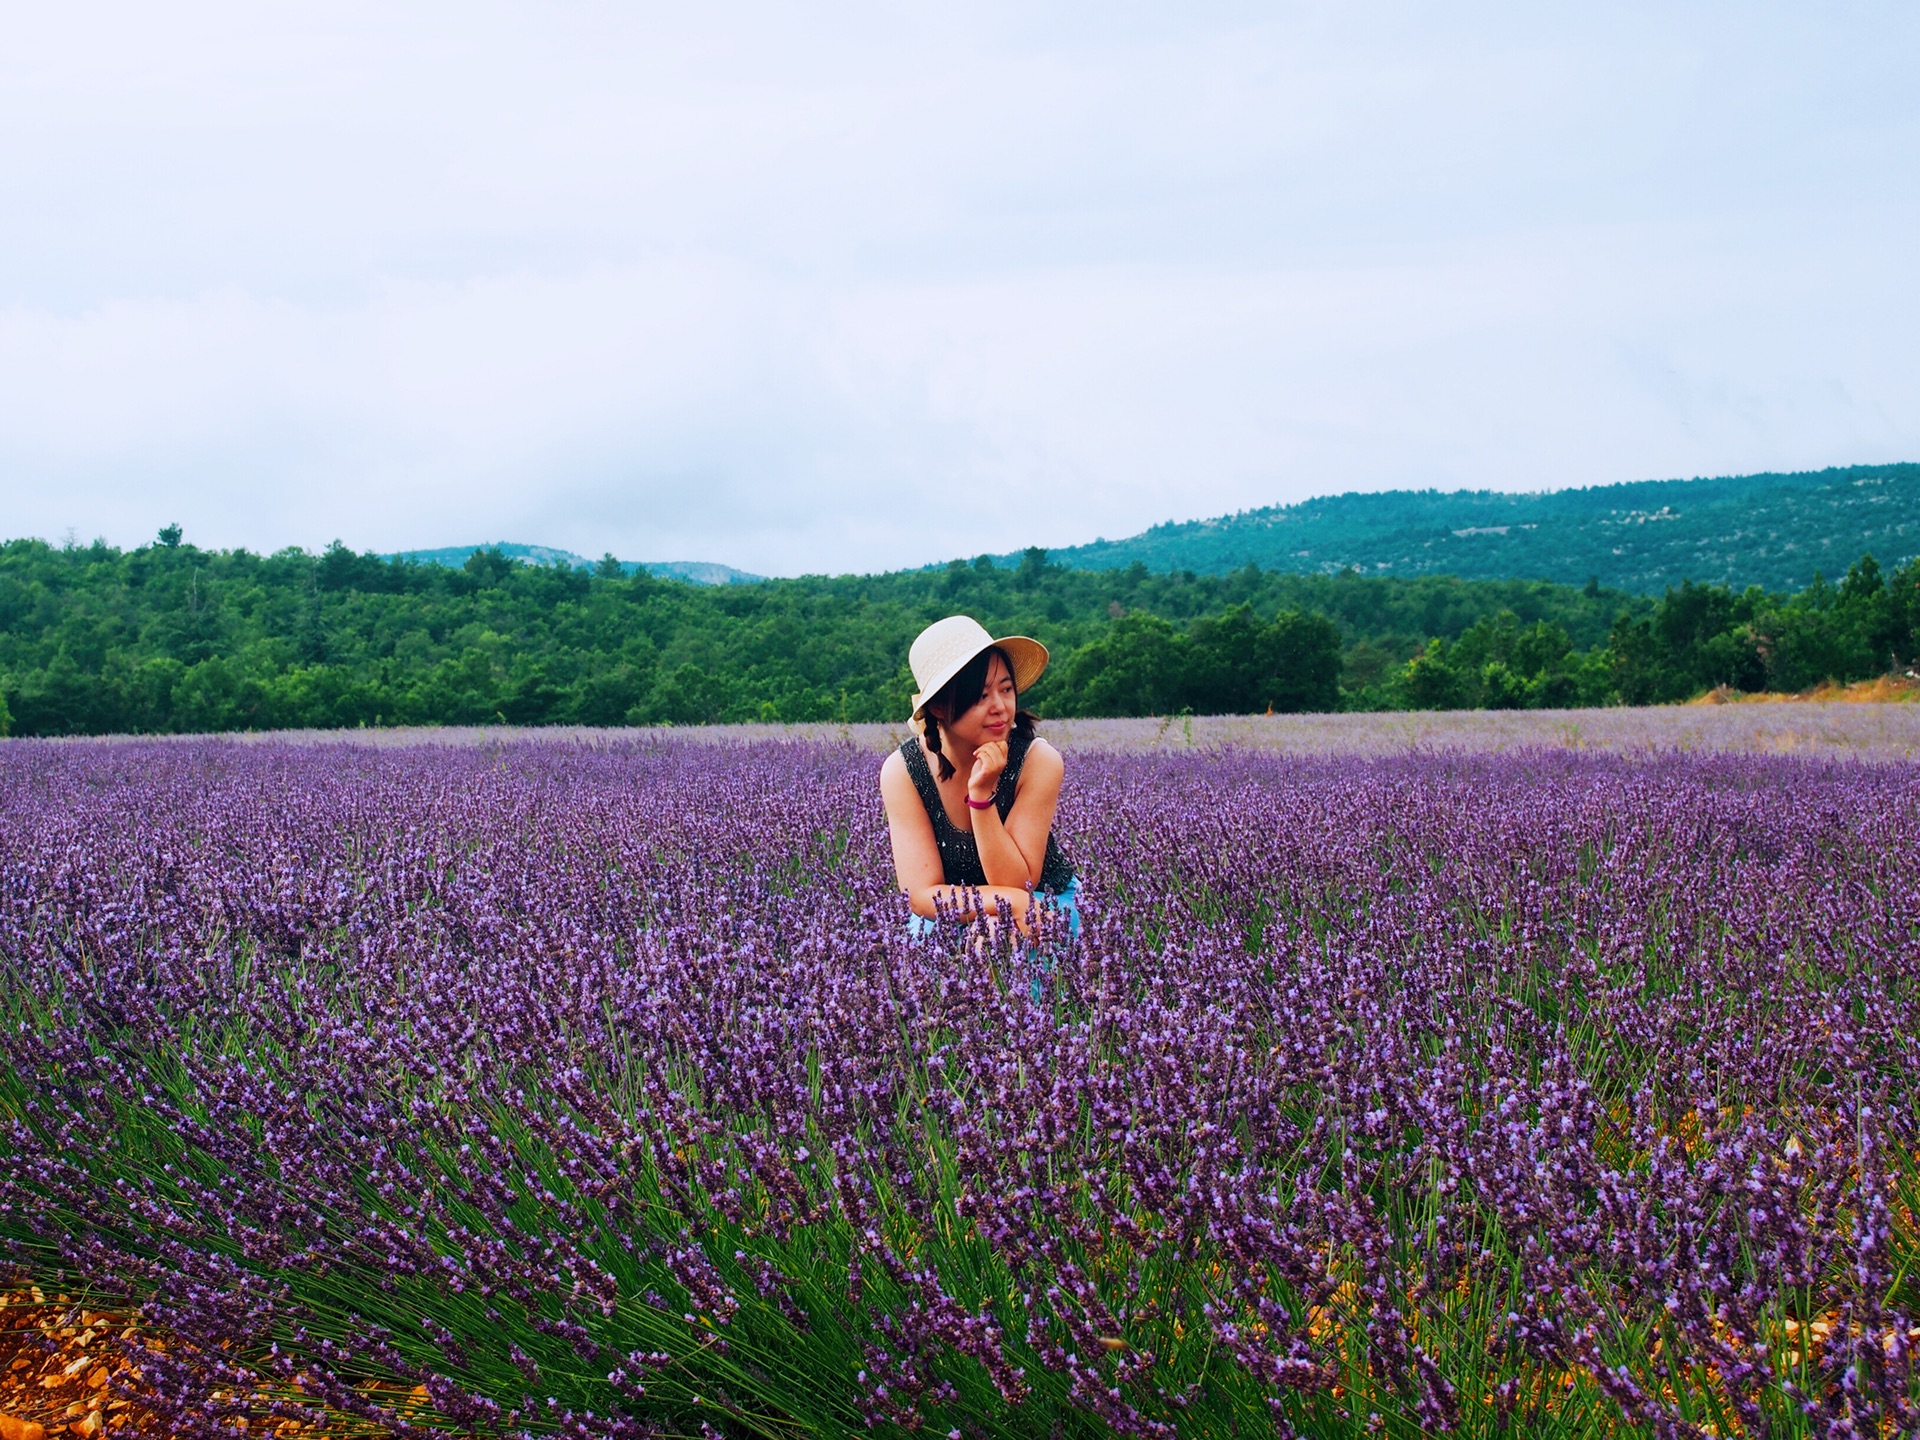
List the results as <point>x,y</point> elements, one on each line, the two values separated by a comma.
<point>1029,659</point>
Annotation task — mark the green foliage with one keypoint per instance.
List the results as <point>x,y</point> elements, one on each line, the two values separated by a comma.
<point>1696,638</point>
<point>1233,662</point>
<point>1702,636</point>
<point>1771,530</point>
<point>1432,681</point>
<point>1136,668</point>
<point>173,638</point>
<point>1237,663</point>
<point>1500,664</point>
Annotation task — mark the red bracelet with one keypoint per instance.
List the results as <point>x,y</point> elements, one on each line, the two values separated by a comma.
<point>973,804</point>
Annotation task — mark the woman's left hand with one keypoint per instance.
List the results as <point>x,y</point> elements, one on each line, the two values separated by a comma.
<point>988,761</point>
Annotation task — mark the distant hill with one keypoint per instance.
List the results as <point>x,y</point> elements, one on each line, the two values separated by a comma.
<point>1769,530</point>
<point>698,572</point>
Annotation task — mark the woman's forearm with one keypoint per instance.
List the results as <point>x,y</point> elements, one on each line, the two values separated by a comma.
<point>966,903</point>
<point>1000,857</point>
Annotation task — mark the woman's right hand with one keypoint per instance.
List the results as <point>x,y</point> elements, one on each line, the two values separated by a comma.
<point>988,761</point>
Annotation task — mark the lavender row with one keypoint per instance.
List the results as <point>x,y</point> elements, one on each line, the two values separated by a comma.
<point>597,1091</point>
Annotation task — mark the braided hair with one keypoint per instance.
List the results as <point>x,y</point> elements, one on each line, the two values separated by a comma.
<point>958,696</point>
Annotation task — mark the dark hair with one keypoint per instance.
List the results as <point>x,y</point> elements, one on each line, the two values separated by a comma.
<point>958,696</point>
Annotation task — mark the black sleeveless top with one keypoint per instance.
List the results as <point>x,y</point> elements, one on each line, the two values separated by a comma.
<point>959,851</point>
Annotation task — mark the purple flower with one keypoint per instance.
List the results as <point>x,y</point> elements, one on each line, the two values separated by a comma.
<point>595,1089</point>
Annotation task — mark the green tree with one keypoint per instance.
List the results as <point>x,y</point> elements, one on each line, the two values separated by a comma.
<point>490,568</point>
<point>1641,666</point>
<point>689,696</point>
<point>1432,681</point>
<point>1230,663</point>
<point>1306,659</point>
<point>1501,687</point>
<point>1868,610</point>
<point>1135,668</point>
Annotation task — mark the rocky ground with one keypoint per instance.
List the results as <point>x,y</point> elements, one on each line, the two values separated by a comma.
<point>68,1369</point>
<point>65,1368</point>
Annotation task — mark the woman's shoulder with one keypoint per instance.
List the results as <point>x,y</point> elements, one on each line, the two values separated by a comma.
<point>897,771</point>
<point>896,785</point>
<point>1042,758</point>
<point>893,768</point>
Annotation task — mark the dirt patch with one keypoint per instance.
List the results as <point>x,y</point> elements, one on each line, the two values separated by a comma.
<point>67,1369</point>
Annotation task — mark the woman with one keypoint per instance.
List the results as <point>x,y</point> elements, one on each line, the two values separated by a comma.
<point>970,798</point>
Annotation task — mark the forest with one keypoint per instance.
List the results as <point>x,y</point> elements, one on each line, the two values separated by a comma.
<point>168,637</point>
<point>1771,530</point>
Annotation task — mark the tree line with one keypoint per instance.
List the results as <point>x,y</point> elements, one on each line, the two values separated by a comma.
<point>168,637</point>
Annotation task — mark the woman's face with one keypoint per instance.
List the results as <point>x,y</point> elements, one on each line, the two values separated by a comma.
<point>989,718</point>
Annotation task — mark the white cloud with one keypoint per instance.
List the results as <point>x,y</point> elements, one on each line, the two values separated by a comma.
<point>862,287</point>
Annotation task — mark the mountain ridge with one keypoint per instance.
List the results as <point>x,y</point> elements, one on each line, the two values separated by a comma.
<point>697,572</point>
<point>1773,529</point>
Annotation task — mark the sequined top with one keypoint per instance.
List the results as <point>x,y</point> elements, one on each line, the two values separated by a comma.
<point>959,851</point>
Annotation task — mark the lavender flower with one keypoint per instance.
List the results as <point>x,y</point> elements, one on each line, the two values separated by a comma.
<point>594,1089</point>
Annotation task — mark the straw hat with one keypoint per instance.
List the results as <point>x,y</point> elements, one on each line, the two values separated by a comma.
<point>944,648</point>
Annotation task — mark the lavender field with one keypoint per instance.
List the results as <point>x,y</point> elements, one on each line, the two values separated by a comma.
<point>593,1089</point>
<point>1878,730</point>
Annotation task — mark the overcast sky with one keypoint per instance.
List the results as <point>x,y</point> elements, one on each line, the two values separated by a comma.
<point>838,287</point>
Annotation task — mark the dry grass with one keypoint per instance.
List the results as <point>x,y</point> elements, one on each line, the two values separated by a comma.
<point>1882,690</point>
<point>1874,723</point>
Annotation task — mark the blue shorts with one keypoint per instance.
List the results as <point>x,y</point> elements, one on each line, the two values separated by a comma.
<point>1066,902</point>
